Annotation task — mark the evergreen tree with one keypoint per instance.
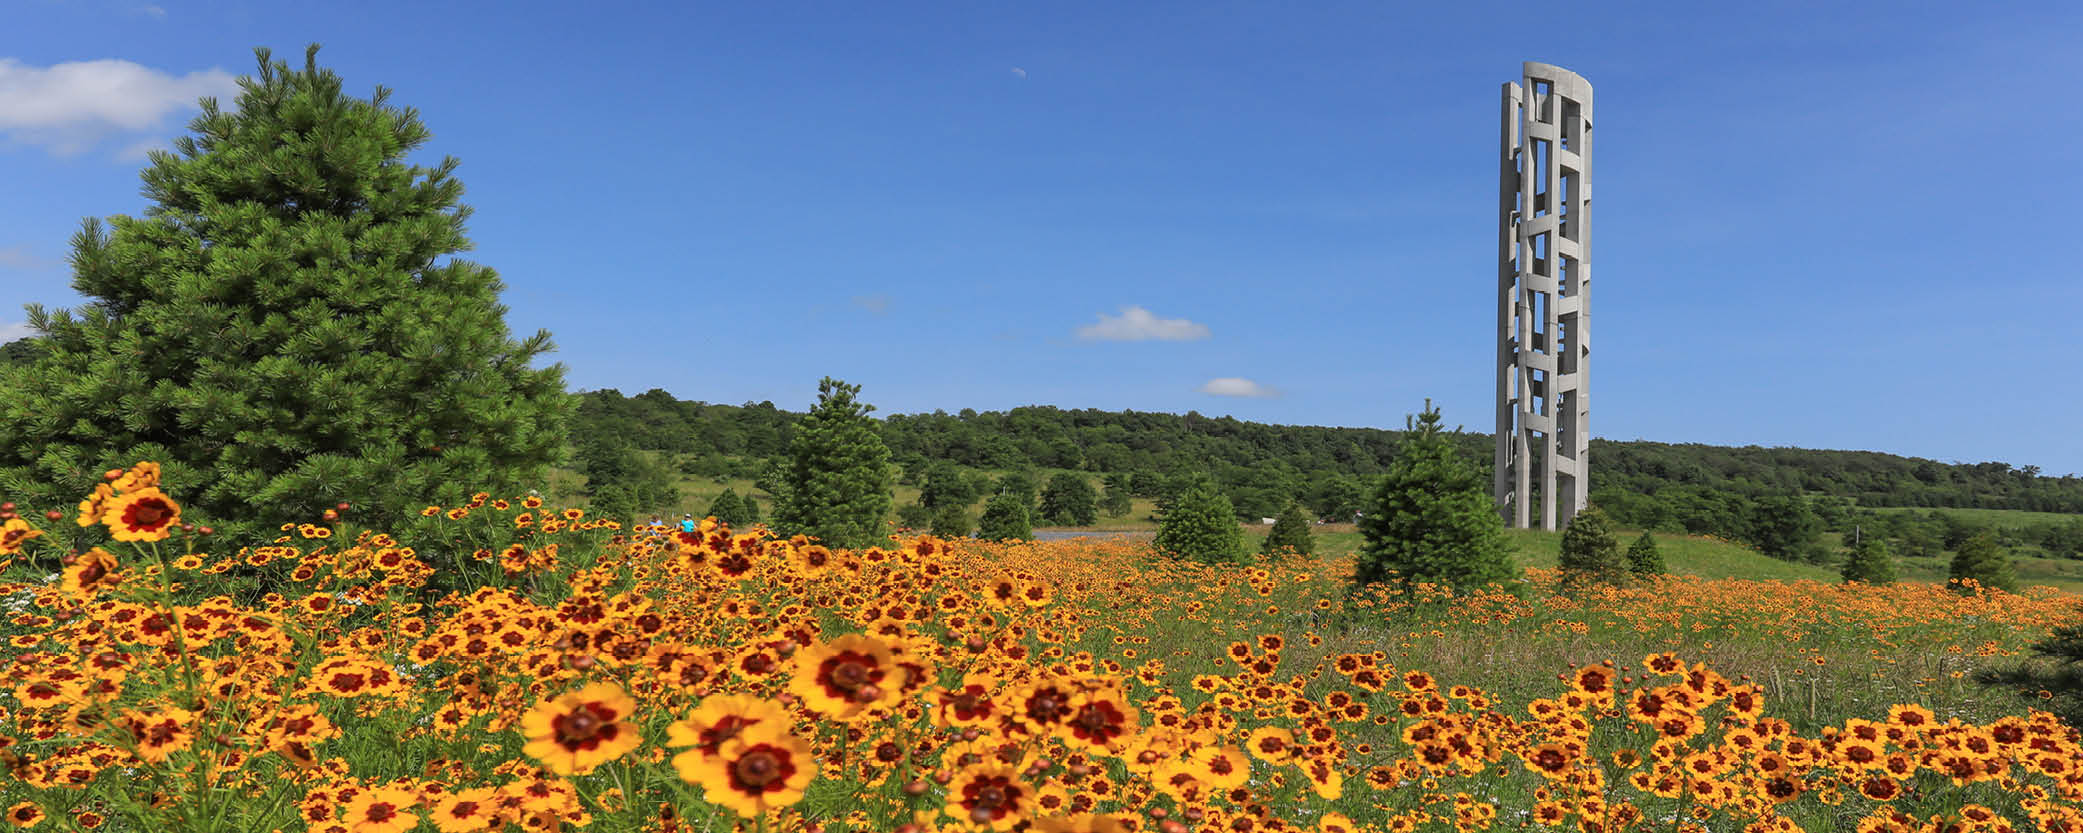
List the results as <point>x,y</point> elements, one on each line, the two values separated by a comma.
<point>1869,562</point>
<point>1643,558</point>
<point>1005,519</point>
<point>1431,518</point>
<point>1290,533</point>
<point>728,508</point>
<point>1590,553</point>
<point>1068,501</point>
<point>1981,558</point>
<point>2052,678</point>
<point>285,328</point>
<point>836,485</point>
<point>751,509</point>
<point>952,521</point>
<point>1201,526</point>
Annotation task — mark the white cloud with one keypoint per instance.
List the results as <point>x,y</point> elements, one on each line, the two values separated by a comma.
<point>1233,386</point>
<point>68,107</point>
<point>18,257</point>
<point>152,11</point>
<point>15,331</point>
<point>1137,324</point>
<point>1020,72</point>
<point>874,304</point>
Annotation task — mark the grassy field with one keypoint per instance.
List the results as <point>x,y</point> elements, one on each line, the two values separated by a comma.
<point>1991,517</point>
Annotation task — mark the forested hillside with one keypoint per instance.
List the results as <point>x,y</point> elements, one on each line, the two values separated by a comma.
<point>1131,441</point>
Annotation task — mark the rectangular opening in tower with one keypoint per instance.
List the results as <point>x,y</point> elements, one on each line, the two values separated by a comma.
<point>1567,277</point>
<point>1537,318</point>
<point>1539,401</point>
<point>1543,203</point>
<point>1572,126</point>
<point>1565,344</point>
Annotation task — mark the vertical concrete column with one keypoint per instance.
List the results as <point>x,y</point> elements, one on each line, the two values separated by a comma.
<point>1544,298</point>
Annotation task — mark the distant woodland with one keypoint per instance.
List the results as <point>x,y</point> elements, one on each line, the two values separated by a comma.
<point>1748,493</point>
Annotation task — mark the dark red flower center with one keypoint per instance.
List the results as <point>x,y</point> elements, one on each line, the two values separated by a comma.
<point>585,727</point>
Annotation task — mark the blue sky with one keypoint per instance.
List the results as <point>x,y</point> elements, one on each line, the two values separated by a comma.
<point>1841,228</point>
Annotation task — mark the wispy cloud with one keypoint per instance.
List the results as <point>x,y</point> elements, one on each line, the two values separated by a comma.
<point>1233,386</point>
<point>19,257</point>
<point>1137,324</point>
<point>875,304</point>
<point>15,331</point>
<point>70,107</point>
<point>154,12</point>
<point>1019,72</point>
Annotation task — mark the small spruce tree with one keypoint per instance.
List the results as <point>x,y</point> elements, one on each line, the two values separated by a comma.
<point>751,509</point>
<point>1431,519</point>
<point>2052,678</point>
<point>728,508</point>
<point>1869,562</point>
<point>1981,558</point>
<point>951,521</point>
<point>1290,533</point>
<point>1643,558</point>
<point>1590,553</point>
<point>836,484</point>
<point>1200,525</point>
<point>1005,519</point>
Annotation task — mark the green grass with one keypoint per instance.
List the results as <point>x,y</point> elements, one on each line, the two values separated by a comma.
<point>1993,517</point>
<point>1690,555</point>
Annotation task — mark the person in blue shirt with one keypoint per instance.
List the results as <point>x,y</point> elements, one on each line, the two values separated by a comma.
<point>687,523</point>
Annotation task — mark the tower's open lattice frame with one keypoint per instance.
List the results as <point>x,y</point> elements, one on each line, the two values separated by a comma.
<point>1544,298</point>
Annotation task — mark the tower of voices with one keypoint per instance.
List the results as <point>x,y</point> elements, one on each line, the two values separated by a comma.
<point>1543,298</point>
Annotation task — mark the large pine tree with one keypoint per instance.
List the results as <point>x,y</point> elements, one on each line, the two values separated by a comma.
<point>1431,519</point>
<point>285,328</point>
<point>836,485</point>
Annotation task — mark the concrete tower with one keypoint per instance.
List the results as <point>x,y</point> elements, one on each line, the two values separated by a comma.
<point>1544,297</point>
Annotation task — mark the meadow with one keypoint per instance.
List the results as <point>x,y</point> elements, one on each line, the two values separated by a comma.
<point>518,667</point>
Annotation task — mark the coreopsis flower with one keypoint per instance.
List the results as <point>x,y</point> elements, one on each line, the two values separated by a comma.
<point>91,572</point>
<point>847,676</point>
<point>578,731</point>
<point>381,810</point>
<point>143,515</point>
<point>967,704</point>
<point>760,769</point>
<point>466,811</point>
<point>14,534</point>
<point>25,814</point>
<point>990,796</point>
<point>144,475</point>
<point>158,734</point>
<point>1220,767</point>
<point>94,505</point>
<point>720,718</point>
<point>1099,720</point>
<point>1271,744</point>
<point>1080,823</point>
